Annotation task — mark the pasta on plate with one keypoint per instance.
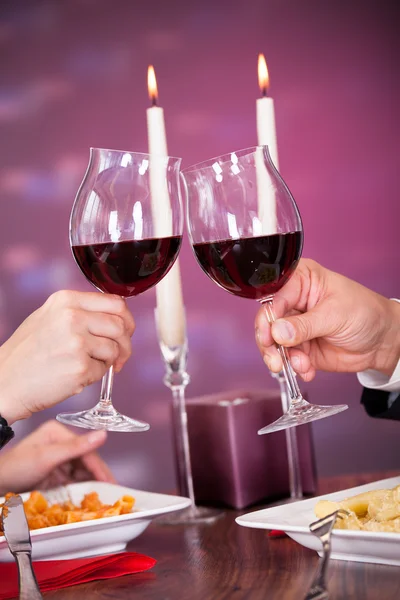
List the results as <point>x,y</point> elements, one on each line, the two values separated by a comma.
<point>376,510</point>
<point>40,513</point>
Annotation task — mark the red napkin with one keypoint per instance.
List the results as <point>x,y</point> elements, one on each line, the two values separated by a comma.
<point>57,574</point>
<point>274,533</point>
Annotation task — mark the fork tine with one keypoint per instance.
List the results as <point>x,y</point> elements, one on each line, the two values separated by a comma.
<point>328,519</point>
<point>318,594</point>
<point>59,495</point>
<point>322,526</point>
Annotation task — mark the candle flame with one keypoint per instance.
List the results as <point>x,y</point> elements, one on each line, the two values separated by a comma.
<point>152,85</point>
<point>263,76</point>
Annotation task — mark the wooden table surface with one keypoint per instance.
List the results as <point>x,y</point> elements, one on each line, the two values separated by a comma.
<point>224,561</point>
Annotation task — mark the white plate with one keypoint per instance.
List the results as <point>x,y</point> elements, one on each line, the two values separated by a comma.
<point>100,536</point>
<point>361,546</point>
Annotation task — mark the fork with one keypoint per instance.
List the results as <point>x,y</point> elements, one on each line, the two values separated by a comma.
<point>58,495</point>
<point>322,529</point>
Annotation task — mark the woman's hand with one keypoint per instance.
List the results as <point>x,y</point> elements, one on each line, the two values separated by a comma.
<point>50,456</point>
<point>64,346</point>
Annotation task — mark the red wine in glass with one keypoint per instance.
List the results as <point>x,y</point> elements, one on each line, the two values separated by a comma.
<point>254,267</point>
<point>127,268</point>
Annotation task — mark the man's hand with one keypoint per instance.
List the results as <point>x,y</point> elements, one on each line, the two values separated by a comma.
<point>331,323</point>
<point>50,456</point>
<point>65,345</point>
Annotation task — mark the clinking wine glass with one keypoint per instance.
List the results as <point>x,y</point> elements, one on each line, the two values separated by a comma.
<point>247,236</point>
<point>125,233</point>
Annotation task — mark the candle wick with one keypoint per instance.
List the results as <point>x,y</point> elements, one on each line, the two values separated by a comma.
<point>154,100</point>
<point>264,92</point>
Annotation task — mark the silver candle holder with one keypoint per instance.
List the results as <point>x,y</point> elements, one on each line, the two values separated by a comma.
<point>176,379</point>
<point>295,483</point>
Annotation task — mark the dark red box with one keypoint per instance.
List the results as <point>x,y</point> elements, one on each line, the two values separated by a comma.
<point>232,465</point>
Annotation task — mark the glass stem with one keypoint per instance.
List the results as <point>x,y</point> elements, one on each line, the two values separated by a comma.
<point>295,484</point>
<point>292,386</point>
<point>105,402</point>
<point>181,441</point>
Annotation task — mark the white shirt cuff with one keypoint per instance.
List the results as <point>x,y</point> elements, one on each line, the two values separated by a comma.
<point>378,381</point>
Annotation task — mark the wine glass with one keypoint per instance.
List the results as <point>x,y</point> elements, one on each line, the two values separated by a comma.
<point>247,236</point>
<point>125,233</point>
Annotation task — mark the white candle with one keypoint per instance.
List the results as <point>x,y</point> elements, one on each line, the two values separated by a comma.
<point>170,308</point>
<point>157,140</point>
<point>266,136</point>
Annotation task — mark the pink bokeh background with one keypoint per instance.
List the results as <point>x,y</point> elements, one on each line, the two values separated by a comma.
<point>74,76</point>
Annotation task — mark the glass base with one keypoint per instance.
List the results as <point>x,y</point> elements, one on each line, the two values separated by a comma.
<point>109,420</point>
<point>194,515</point>
<point>301,413</point>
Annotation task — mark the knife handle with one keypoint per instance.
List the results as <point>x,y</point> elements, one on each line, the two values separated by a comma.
<point>28,585</point>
